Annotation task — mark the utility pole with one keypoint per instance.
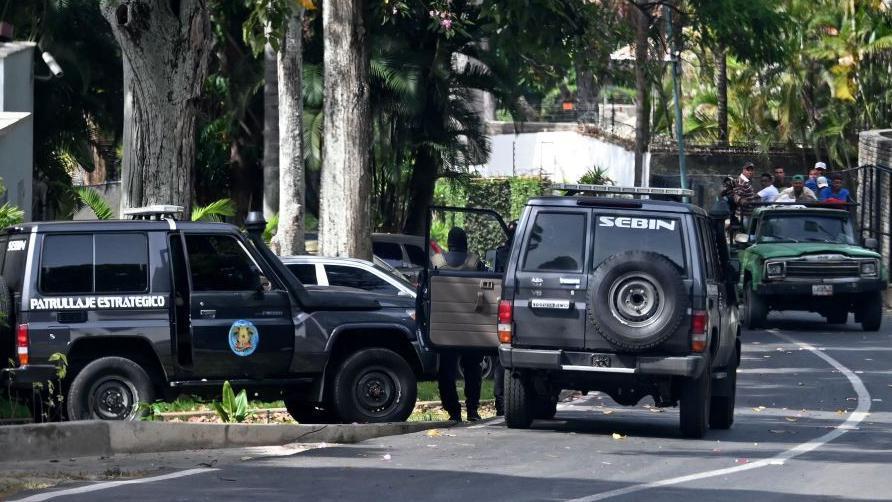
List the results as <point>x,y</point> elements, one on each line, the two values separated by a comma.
<point>676,90</point>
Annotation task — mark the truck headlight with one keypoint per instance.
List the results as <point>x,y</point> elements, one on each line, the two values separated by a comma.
<point>775,269</point>
<point>868,268</point>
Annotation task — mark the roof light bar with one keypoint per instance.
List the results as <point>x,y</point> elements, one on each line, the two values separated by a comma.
<point>574,188</point>
<point>155,212</point>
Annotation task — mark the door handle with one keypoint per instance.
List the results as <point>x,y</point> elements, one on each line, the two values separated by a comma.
<point>208,313</point>
<point>570,281</point>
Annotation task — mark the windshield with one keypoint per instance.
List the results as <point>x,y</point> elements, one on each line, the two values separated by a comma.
<point>392,272</point>
<point>806,228</point>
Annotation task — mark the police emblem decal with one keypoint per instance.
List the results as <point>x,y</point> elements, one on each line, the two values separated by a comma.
<point>243,338</point>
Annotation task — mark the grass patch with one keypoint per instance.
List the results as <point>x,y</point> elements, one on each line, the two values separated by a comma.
<point>428,391</point>
<point>195,403</point>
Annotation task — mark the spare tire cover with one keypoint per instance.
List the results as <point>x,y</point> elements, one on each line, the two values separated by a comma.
<point>637,300</point>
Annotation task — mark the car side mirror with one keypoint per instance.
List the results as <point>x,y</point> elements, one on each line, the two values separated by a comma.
<point>871,243</point>
<point>741,238</point>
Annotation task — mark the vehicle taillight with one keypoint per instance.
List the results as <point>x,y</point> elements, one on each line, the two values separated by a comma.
<point>505,314</point>
<point>21,343</point>
<point>699,321</point>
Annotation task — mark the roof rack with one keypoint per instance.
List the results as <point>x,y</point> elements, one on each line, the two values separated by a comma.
<point>154,212</point>
<point>577,188</point>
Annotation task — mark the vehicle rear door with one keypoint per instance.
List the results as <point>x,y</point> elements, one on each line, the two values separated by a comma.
<point>716,294</point>
<point>241,324</point>
<point>460,307</point>
<point>551,282</point>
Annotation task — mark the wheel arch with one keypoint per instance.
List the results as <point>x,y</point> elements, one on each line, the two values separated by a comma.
<point>87,349</point>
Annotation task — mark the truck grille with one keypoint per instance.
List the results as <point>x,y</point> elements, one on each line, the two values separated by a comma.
<point>840,268</point>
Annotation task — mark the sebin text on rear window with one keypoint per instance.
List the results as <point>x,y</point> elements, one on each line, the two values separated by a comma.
<point>618,234</point>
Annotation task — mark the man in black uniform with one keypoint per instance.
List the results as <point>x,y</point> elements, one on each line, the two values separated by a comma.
<point>458,258</point>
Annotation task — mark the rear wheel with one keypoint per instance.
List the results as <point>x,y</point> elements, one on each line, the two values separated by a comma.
<point>545,407</point>
<point>754,307</point>
<point>110,388</point>
<point>872,313</point>
<point>374,385</point>
<point>721,407</point>
<point>519,402</point>
<point>304,412</point>
<point>695,405</point>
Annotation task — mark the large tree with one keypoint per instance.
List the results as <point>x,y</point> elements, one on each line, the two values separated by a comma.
<point>165,48</point>
<point>345,201</point>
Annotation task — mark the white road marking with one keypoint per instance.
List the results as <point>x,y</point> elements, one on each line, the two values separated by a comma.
<point>112,484</point>
<point>860,413</point>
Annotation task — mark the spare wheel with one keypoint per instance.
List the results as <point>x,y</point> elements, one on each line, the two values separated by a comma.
<point>637,300</point>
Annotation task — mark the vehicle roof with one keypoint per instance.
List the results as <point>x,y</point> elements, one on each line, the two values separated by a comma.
<point>800,209</point>
<point>323,259</point>
<point>646,204</point>
<point>118,225</point>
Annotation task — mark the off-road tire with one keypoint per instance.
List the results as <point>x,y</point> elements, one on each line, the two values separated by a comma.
<point>872,311</point>
<point>629,283</point>
<point>110,388</point>
<point>838,317</point>
<point>755,308</point>
<point>519,402</point>
<point>304,412</point>
<point>721,407</point>
<point>694,405</point>
<point>373,386</point>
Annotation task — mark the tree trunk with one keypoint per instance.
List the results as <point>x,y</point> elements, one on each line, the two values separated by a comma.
<point>270,133</point>
<point>421,191</point>
<point>586,88</point>
<point>289,238</point>
<point>345,205</point>
<point>721,91</point>
<point>642,100</point>
<point>165,54</point>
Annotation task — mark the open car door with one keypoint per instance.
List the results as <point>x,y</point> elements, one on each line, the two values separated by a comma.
<point>459,291</point>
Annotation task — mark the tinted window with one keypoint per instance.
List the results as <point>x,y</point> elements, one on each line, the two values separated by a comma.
<point>122,263</point>
<point>416,255</point>
<point>352,277</point>
<point>305,272</point>
<point>556,243</point>
<point>618,234</point>
<point>388,251</point>
<point>219,263</point>
<point>14,262</point>
<point>66,265</point>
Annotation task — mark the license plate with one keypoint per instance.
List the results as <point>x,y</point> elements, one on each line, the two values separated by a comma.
<point>822,290</point>
<point>550,304</point>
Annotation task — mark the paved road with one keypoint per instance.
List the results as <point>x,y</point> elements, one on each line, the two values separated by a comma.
<point>807,429</point>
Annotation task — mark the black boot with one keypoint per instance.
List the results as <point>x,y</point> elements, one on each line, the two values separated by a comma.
<point>473,416</point>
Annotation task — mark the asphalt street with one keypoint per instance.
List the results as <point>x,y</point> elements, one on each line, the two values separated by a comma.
<point>813,422</point>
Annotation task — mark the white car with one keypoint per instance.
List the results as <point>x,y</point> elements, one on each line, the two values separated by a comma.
<point>376,277</point>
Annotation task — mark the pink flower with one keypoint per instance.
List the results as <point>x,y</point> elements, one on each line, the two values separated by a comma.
<point>446,23</point>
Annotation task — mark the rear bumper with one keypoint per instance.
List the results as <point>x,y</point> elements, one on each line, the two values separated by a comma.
<point>596,362</point>
<point>804,288</point>
<point>25,376</point>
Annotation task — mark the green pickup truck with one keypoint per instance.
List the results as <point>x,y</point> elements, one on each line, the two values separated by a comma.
<point>809,259</point>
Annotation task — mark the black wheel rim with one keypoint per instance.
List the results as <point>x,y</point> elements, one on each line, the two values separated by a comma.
<point>377,391</point>
<point>112,398</point>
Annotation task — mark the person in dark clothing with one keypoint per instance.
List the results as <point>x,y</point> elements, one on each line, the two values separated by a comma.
<point>458,258</point>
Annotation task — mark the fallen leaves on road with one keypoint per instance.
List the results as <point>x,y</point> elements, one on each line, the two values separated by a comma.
<point>759,409</point>
<point>791,419</point>
<point>618,436</point>
<point>607,412</point>
<point>742,461</point>
<point>841,412</point>
<point>433,432</point>
<point>386,456</point>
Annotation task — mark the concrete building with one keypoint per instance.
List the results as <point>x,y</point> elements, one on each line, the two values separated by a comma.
<point>17,124</point>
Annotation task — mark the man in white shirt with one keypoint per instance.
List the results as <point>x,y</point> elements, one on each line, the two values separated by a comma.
<point>768,192</point>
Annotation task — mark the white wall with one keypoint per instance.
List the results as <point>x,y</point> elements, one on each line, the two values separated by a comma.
<point>562,156</point>
<point>17,77</point>
<point>17,159</point>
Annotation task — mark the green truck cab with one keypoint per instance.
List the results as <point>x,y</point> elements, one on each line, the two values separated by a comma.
<point>808,258</point>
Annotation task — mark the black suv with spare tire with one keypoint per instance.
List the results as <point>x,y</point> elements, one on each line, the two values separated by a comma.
<point>150,308</point>
<point>630,297</point>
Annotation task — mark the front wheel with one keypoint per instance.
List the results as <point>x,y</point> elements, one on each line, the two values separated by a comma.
<point>872,313</point>
<point>755,309</point>
<point>838,317</point>
<point>374,385</point>
<point>695,405</point>
<point>110,388</point>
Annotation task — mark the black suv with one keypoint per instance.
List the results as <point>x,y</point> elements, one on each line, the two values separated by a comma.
<point>629,297</point>
<point>151,308</point>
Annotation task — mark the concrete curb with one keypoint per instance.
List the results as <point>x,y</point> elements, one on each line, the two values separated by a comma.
<point>99,438</point>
